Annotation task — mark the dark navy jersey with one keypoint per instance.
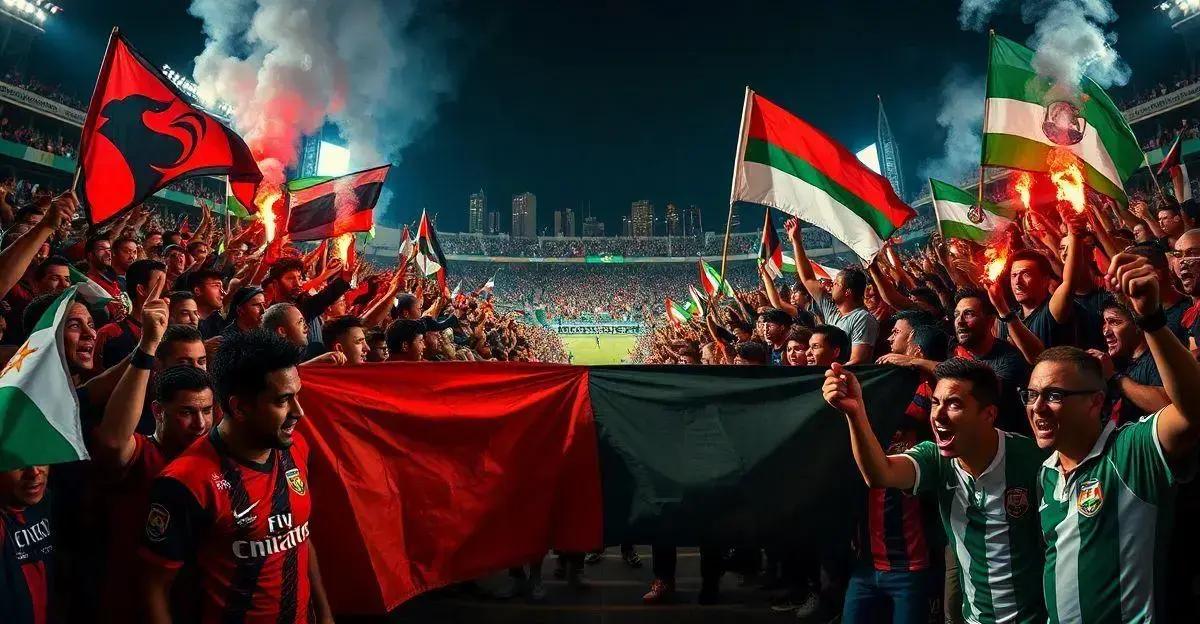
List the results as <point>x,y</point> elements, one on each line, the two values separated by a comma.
<point>26,560</point>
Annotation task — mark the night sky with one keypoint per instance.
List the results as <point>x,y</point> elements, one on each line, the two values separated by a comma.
<point>610,102</point>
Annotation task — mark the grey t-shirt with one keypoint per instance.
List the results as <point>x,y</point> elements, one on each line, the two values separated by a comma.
<point>859,324</point>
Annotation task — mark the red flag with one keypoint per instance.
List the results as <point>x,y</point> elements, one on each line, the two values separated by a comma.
<point>430,475</point>
<point>1173,156</point>
<point>141,134</point>
<point>430,259</point>
<point>770,251</point>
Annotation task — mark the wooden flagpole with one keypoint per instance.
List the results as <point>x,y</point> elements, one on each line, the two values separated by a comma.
<point>737,167</point>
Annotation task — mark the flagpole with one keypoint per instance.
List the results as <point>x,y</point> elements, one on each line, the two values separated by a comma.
<point>987,81</point>
<point>933,203</point>
<point>737,166</point>
<point>92,111</point>
<point>1153,175</point>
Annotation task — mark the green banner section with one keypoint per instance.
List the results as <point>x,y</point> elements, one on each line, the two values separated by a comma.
<point>605,259</point>
<point>740,455</point>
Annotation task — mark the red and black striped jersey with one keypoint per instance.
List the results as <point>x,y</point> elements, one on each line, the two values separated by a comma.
<point>896,531</point>
<point>26,559</point>
<point>245,525</point>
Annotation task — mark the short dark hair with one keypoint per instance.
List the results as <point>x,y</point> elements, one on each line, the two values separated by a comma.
<point>1028,254</point>
<point>799,333</point>
<point>52,261</point>
<point>1112,303</point>
<point>180,295</point>
<point>178,379</point>
<point>932,340</point>
<point>282,266</point>
<point>336,328</point>
<point>122,240</point>
<point>1166,202</point>
<point>777,316</point>
<point>927,295</point>
<point>195,279</point>
<point>193,244</point>
<point>402,332</point>
<point>752,351</point>
<point>177,334</point>
<point>172,234</point>
<point>916,318</point>
<point>405,300</point>
<point>839,338</point>
<point>240,367</point>
<point>975,293</point>
<point>985,386</point>
<point>1083,361</point>
<point>854,279</point>
<point>374,335</point>
<point>138,274</point>
<point>90,244</point>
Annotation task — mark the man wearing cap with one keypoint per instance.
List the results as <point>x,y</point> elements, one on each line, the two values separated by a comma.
<point>246,309</point>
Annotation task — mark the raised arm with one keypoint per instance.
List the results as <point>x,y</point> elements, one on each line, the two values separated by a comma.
<point>1179,422</point>
<point>773,293</point>
<point>16,258</point>
<point>113,441</point>
<point>1019,335</point>
<point>804,270</point>
<point>1063,298</point>
<point>843,392</point>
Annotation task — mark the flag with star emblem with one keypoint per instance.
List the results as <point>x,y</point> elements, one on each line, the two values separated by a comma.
<point>39,410</point>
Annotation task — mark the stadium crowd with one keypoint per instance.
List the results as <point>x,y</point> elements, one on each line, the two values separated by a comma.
<point>18,79</point>
<point>655,247</point>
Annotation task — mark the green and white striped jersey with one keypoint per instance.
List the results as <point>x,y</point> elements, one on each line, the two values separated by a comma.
<point>992,526</point>
<point>1106,525</point>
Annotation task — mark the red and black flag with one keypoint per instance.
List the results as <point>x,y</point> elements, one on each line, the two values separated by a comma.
<point>770,252</point>
<point>141,134</point>
<point>430,259</point>
<point>1173,156</point>
<point>327,207</point>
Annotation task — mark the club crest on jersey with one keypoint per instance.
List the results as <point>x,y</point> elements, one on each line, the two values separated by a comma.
<point>1090,497</point>
<point>1016,501</point>
<point>296,481</point>
<point>157,523</point>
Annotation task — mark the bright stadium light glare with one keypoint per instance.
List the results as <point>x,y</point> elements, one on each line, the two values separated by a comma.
<point>332,160</point>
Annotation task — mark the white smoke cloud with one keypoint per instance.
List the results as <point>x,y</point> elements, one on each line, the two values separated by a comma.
<point>961,117</point>
<point>288,66</point>
<point>974,14</point>
<point>1069,41</point>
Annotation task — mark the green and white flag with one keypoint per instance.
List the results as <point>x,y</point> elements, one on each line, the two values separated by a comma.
<point>91,292</point>
<point>677,312</point>
<point>711,280</point>
<point>1027,117</point>
<point>699,301</point>
<point>39,410</point>
<point>957,216</point>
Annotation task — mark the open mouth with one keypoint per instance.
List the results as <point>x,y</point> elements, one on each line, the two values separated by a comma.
<point>289,424</point>
<point>1044,429</point>
<point>943,436</point>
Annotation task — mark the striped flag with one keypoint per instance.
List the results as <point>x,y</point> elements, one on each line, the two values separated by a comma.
<point>957,216</point>
<point>785,163</point>
<point>89,291</point>
<point>1028,117</point>
<point>677,313</point>
<point>39,410</point>
<point>430,259</point>
<point>711,280</point>
<point>699,301</point>
<point>1173,157</point>
<point>824,272</point>
<point>770,251</point>
<point>327,207</point>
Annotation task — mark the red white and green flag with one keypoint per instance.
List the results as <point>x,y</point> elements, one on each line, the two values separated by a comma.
<point>430,259</point>
<point>770,251</point>
<point>712,282</point>
<point>824,272</point>
<point>677,313</point>
<point>1173,157</point>
<point>699,301</point>
<point>787,164</point>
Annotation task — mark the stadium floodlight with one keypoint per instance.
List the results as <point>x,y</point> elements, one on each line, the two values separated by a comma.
<point>192,90</point>
<point>34,13</point>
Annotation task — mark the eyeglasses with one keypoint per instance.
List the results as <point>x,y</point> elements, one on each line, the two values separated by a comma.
<point>1053,396</point>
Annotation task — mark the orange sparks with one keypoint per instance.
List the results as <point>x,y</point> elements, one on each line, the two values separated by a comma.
<point>1022,186</point>
<point>1067,176</point>
<point>997,259</point>
<point>266,211</point>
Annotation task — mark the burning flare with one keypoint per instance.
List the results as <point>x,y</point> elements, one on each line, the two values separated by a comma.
<point>997,259</point>
<point>341,248</point>
<point>266,211</point>
<point>1022,186</point>
<point>1067,176</point>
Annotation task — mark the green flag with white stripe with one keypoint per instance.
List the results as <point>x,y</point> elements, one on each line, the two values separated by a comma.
<point>89,291</point>
<point>1027,117</point>
<point>39,410</point>
<point>957,216</point>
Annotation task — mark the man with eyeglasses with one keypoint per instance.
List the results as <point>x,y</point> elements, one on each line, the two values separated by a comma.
<point>1185,262</point>
<point>1107,494</point>
<point>985,482</point>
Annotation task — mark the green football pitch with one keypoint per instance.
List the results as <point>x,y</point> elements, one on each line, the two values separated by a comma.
<point>613,348</point>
